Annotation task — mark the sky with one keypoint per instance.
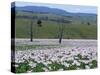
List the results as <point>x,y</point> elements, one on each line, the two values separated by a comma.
<point>68,8</point>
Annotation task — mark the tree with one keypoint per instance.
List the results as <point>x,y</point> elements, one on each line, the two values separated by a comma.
<point>61,33</point>
<point>61,29</point>
<point>88,23</point>
<point>31,31</point>
<point>39,23</point>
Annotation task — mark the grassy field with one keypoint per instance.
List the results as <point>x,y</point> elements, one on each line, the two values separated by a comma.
<point>77,29</point>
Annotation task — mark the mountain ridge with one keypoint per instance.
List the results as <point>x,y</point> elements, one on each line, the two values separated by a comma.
<point>44,9</point>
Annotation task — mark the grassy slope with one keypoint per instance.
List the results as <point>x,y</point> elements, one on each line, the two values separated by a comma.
<point>75,30</point>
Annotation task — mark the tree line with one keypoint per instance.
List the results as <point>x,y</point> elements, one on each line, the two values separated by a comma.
<point>45,18</point>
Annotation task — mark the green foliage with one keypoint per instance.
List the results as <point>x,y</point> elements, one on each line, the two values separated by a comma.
<point>39,68</point>
<point>23,68</point>
<point>72,67</point>
<point>56,66</point>
<point>82,65</point>
<point>94,64</point>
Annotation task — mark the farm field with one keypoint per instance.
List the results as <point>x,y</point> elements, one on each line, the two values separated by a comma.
<point>80,27</point>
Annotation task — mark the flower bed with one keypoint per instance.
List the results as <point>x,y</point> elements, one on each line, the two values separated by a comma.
<point>56,59</point>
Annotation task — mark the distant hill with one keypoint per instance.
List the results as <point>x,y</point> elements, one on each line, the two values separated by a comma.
<point>43,9</point>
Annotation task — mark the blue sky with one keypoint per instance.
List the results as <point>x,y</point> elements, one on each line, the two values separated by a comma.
<point>69,8</point>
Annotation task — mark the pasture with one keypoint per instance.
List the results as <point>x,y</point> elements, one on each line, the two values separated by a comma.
<point>80,27</point>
